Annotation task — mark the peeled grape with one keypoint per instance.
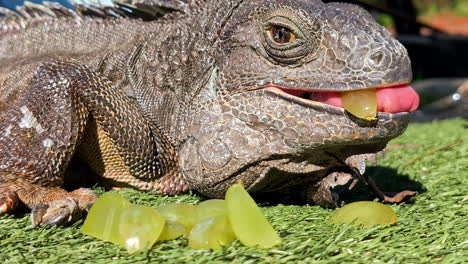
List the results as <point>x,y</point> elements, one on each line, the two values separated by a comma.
<point>211,233</point>
<point>247,220</point>
<point>172,230</point>
<point>180,213</point>
<point>103,218</point>
<point>361,103</point>
<point>209,208</point>
<point>140,227</point>
<point>364,213</point>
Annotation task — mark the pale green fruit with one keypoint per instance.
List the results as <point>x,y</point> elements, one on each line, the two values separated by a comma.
<point>365,214</point>
<point>211,233</point>
<point>361,103</point>
<point>140,227</point>
<point>209,208</point>
<point>103,218</point>
<point>247,220</point>
<point>180,213</point>
<point>172,230</point>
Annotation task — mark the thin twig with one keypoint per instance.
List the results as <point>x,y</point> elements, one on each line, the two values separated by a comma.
<point>432,152</point>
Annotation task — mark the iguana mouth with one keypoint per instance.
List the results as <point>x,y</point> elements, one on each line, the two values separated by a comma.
<point>390,99</point>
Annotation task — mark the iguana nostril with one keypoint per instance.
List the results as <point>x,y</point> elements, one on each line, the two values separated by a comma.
<point>376,58</point>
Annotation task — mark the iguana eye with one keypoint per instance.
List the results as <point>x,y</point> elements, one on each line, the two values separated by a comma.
<point>288,39</point>
<point>280,34</point>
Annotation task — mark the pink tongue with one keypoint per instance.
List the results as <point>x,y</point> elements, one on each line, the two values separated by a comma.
<point>395,99</point>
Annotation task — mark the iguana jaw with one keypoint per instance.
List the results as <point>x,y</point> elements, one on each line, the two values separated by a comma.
<point>394,98</point>
<point>245,135</point>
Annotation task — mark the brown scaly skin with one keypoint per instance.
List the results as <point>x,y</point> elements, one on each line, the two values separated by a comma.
<point>181,102</point>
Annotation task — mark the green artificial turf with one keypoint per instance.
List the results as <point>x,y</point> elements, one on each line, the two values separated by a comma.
<point>432,227</point>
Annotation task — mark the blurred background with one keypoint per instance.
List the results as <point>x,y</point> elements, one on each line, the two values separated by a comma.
<point>435,33</point>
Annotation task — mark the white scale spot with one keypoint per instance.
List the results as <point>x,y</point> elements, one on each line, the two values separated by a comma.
<point>211,90</point>
<point>48,143</point>
<point>7,131</point>
<point>29,121</point>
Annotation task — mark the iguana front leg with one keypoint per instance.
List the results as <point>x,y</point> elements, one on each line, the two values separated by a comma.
<point>41,131</point>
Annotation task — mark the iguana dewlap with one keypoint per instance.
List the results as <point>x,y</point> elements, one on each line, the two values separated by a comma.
<point>195,95</point>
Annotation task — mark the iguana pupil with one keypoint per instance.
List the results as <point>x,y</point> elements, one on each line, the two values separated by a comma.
<point>281,35</point>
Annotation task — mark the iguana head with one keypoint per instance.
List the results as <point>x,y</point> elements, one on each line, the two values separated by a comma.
<point>271,114</point>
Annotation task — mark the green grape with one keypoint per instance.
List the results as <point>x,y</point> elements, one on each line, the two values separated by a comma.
<point>365,214</point>
<point>361,103</point>
<point>180,213</point>
<point>103,218</point>
<point>140,227</point>
<point>247,220</point>
<point>172,230</point>
<point>208,209</point>
<point>211,233</point>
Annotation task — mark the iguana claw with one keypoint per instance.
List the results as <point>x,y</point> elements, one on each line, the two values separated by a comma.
<point>58,212</point>
<point>399,197</point>
<point>387,197</point>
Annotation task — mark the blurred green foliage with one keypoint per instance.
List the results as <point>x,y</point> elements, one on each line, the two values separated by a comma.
<point>435,6</point>
<point>385,20</point>
<point>461,7</point>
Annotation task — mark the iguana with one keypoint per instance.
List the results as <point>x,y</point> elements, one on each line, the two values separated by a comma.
<point>198,96</point>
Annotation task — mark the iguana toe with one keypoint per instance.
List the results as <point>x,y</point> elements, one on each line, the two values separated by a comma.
<point>398,197</point>
<point>390,197</point>
<point>58,212</point>
<point>327,191</point>
<point>8,202</point>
